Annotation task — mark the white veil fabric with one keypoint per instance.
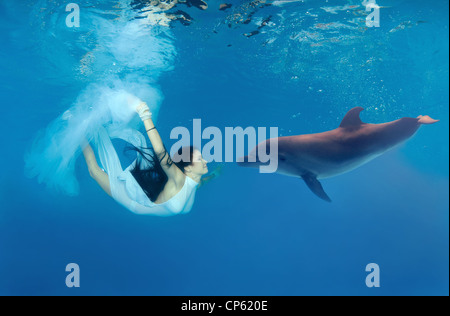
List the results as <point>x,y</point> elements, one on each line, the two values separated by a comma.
<point>54,151</point>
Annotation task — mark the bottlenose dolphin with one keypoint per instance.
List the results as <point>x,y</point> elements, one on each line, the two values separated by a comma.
<point>328,154</point>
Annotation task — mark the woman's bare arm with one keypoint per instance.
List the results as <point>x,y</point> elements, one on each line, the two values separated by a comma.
<point>171,170</point>
<point>94,169</point>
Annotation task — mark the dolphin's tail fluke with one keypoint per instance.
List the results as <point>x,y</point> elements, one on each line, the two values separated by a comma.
<point>425,119</point>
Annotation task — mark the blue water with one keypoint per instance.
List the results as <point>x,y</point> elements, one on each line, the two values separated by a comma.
<point>248,233</point>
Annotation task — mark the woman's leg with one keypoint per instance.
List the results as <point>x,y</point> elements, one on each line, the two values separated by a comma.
<point>94,169</point>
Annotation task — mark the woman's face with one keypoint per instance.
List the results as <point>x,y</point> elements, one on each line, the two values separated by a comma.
<point>199,165</point>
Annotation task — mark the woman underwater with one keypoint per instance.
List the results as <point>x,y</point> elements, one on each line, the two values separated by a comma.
<point>153,184</point>
<point>131,54</point>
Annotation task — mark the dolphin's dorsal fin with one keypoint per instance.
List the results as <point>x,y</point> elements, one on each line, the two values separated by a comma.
<point>351,119</point>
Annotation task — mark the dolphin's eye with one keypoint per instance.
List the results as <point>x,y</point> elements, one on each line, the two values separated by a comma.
<point>282,158</point>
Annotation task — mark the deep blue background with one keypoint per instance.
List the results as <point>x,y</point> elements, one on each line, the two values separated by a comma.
<point>248,233</point>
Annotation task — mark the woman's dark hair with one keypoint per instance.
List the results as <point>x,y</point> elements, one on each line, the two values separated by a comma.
<point>153,179</point>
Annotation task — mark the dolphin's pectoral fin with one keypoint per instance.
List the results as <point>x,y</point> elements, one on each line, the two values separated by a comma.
<point>315,186</point>
<point>351,119</point>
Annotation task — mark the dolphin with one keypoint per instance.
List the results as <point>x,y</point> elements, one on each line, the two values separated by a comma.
<point>318,156</point>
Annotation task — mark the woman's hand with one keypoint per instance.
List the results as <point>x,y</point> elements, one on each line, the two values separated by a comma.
<point>144,111</point>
